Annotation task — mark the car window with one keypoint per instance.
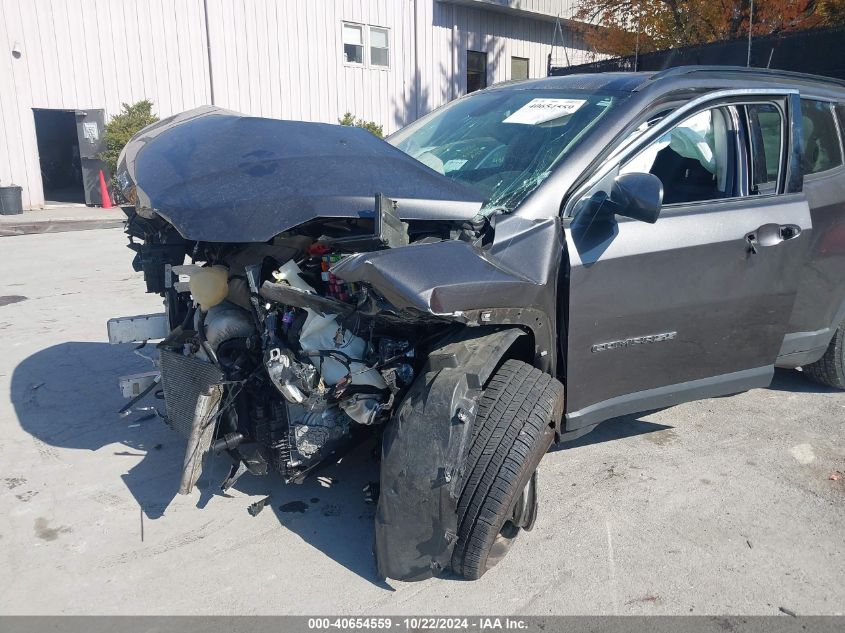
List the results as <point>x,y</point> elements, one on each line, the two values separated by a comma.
<point>765,127</point>
<point>695,160</point>
<point>822,149</point>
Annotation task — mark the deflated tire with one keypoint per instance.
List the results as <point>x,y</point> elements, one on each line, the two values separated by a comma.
<point>513,430</point>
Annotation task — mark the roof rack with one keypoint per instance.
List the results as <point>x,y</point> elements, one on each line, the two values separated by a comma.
<point>688,70</point>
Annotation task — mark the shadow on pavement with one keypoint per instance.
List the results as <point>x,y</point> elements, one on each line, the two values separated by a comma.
<point>794,381</point>
<point>67,396</point>
<point>615,429</point>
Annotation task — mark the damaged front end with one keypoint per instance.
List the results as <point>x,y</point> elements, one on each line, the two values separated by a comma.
<point>303,316</point>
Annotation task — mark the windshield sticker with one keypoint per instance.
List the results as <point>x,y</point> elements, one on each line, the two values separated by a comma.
<point>539,111</point>
<point>453,165</point>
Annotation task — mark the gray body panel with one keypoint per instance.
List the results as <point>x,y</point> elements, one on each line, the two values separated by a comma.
<point>513,281</point>
<point>689,274</point>
<point>820,301</point>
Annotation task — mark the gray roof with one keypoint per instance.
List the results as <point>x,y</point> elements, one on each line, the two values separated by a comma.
<point>637,81</point>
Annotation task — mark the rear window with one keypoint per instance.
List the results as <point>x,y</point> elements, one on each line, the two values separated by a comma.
<point>822,145</point>
<point>766,131</point>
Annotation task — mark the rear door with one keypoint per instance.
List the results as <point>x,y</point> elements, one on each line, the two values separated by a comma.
<point>697,304</point>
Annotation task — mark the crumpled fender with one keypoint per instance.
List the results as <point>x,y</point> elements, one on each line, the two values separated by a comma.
<point>424,453</point>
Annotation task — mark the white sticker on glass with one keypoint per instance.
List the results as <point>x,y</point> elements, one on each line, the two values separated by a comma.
<point>539,111</point>
<point>454,164</point>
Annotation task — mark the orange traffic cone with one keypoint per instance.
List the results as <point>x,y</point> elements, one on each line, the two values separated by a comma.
<point>105,198</point>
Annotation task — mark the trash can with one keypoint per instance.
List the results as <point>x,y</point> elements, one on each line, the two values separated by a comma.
<point>10,200</point>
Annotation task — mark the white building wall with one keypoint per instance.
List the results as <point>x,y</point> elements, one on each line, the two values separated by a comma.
<point>461,25</point>
<point>79,54</point>
<point>285,59</point>
<point>272,58</point>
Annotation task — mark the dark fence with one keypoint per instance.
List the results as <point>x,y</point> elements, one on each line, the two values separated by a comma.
<point>817,51</point>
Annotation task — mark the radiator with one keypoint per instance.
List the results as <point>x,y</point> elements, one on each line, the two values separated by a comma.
<point>184,378</point>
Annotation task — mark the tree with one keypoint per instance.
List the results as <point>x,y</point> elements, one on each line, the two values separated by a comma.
<point>673,23</point>
<point>371,126</point>
<point>122,127</point>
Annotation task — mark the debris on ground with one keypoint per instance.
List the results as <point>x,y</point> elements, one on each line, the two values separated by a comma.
<point>258,506</point>
<point>326,482</point>
<point>789,612</point>
<point>371,492</point>
<point>836,476</point>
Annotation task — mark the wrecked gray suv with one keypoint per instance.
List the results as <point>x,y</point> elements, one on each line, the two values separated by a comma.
<point>505,273</point>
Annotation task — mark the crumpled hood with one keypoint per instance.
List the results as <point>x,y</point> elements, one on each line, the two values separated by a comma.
<point>220,176</point>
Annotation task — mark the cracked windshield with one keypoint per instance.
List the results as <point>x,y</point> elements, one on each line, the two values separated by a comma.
<point>503,144</point>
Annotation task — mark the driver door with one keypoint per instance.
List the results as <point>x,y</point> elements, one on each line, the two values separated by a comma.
<point>697,304</point>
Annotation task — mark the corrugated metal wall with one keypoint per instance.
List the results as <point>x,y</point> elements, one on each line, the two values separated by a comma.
<point>78,54</point>
<point>274,58</point>
<point>284,59</point>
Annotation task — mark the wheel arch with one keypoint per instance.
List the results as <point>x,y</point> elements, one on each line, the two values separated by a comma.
<point>425,446</point>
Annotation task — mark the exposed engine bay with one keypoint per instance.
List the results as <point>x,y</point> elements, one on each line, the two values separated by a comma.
<point>272,358</point>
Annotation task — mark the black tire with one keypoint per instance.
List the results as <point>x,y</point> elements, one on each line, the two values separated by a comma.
<point>513,430</point>
<point>830,369</point>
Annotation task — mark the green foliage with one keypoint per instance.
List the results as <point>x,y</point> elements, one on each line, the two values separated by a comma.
<point>371,126</point>
<point>122,127</point>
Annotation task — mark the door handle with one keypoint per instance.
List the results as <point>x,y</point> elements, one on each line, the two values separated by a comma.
<point>770,235</point>
<point>789,231</point>
<point>751,240</point>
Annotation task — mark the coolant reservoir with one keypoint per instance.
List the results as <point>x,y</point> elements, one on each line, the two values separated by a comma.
<point>209,286</point>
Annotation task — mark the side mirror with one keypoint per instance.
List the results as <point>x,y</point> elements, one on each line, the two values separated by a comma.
<point>638,196</point>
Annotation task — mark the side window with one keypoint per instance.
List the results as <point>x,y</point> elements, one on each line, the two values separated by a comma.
<point>765,127</point>
<point>822,149</point>
<point>696,160</point>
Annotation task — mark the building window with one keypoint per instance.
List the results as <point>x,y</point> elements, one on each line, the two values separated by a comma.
<point>353,44</point>
<point>476,71</point>
<point>519,68</point>
<point>379,47</point>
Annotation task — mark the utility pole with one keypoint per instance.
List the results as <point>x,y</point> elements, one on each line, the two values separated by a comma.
<point>208,52</point>
<point>639,23</point>
<point>750,27</point>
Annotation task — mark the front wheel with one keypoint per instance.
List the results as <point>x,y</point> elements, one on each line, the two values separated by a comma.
<point>513,430</point>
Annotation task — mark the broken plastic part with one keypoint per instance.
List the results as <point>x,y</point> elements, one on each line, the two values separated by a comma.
<point>417,506</point>
<point>388,230</point>
<point>235,473</point>
<point>202,432</point>
<point>258,506</point>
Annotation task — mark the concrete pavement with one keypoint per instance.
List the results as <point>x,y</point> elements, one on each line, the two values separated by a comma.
<point>723,506</point>
<point>58,219</point>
